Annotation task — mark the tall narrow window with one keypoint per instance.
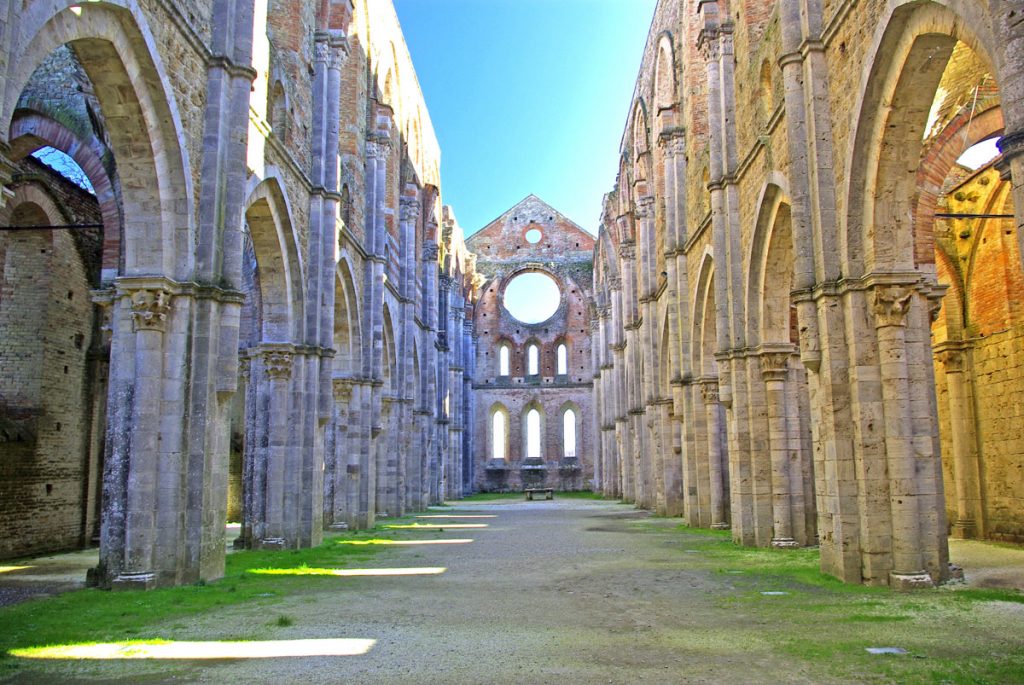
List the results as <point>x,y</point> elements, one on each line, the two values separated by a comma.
<point>569,433</point>
<point>563,360</point>
<point>503,360</point>
<point>498,435</point>
<point>533,434</point>
<point>532,360</point>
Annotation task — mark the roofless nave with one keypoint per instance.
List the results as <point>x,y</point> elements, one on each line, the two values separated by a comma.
<point>801,296</point>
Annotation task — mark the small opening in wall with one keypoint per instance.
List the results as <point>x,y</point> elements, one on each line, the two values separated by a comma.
<point>71,295</point>
<point>65,370</point>
<point>49,488</point>
<point>58,427</point>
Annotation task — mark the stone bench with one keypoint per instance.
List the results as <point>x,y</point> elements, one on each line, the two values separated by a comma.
<point>549,493</point>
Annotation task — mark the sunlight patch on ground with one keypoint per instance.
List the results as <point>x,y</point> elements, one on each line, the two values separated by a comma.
<point>12,569</point>
<point>457,516</point>
<point>428,526</point>
<point>378,541</point>
<point>349,572</point>
<point>261,649</point>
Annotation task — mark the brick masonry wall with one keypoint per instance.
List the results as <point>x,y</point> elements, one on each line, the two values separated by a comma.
<point>564,252</point>
<point>46,329</point>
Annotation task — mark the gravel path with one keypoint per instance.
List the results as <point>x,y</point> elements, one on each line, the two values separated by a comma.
<point>562,591</point>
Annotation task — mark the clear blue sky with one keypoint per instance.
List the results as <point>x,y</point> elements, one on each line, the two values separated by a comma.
<point>526,96</point>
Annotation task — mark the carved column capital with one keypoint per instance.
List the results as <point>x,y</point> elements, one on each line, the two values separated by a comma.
<point>614,283</point>
<point>150,307</point>
<point>409,209</point>
<point>278,364</point>
<point>342,389</point>
<point>645,207</point>
<point>429,251</point>
<point>627,250</point>
<point>890,305</point>
<point>774,366</point>
<point>244,367</point>
<point>709,390</point>
<point>321,50</point>
<point>953,359</point>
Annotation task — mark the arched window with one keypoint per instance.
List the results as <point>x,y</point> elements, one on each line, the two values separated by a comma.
<point>533,434</point>
<point>503,355</point>
<point>563,360</point>
<point>498,432</point>
<point>532,360</point>
<point>569,433</point>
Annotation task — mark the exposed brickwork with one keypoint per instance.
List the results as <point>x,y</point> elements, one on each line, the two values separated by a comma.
<point>564,252</point>
<point>46,337</point>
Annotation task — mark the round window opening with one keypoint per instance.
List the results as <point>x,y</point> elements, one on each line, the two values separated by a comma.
<point>532,297</point>
<point>533,236</point>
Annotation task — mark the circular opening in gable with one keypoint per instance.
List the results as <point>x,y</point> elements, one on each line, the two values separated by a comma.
<point>533,236</point>
<point>532,297</point>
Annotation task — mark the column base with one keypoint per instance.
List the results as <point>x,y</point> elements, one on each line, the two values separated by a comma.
<point>720,526</point>
<point>785,543</point>
<point>910,581</point>
<point>964,529</point>
<point>134,581</point>
<point>270,543</point>
<point>338,526</point>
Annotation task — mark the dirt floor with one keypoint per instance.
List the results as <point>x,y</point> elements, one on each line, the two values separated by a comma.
<point>552,592</point>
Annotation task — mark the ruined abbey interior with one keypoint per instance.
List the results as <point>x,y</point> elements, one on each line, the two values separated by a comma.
<point>800,318</point>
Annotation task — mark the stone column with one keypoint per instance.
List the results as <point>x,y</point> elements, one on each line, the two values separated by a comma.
<point>1011,145</point>
<point>134,476</point>
<point>890,305</point>
<point>272,472</point>
<point>365,483</point>
<point>340,506</point>
<point>709,389</point>
<point>774,371</point>
<point>430,363</point>
<point>970,521</point>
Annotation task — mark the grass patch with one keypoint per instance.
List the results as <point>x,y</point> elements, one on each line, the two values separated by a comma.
<point>952,634</point>
<point>93,615</point>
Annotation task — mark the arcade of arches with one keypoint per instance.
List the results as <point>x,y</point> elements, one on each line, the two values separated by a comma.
<point>237,294</point>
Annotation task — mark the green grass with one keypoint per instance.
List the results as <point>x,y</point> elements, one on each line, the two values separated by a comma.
<point>952,634</point>
<point>102,616</point>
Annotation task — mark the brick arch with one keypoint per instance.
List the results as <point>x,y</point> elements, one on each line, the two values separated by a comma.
<point>567,406</point>
<point>347,321</point>
<point>938,160</point>
<point>111,41</point>
<point>910,52</point>
<point>770,275</point>
<point>32,130</point>
<point>389,360</point>
<point>703,318</point>
<point>29,195</point>
<point>533,405</point>
<point>666,95</point>
<point>499,408</point>
<point>277,254</point>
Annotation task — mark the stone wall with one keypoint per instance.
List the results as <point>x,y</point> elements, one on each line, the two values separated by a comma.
<point>768,269</point>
